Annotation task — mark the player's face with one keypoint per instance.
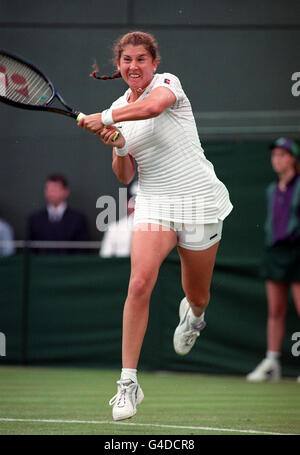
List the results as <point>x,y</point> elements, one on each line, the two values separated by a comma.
<point>137,66</point>
<point>282,160</point>
<point>55,193</point>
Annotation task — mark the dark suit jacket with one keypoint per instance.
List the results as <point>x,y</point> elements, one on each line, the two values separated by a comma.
<point>72,227</point>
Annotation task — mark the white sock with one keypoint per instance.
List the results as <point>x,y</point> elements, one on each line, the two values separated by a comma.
<point>272,355</point>
<point>128,373</point>
<point>194,319</point>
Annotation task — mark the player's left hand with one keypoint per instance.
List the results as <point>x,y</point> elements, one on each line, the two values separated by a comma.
<point>110,137</point>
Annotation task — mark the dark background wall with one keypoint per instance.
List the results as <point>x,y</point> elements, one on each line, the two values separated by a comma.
<point>235,61</point>
<point>68,311</point>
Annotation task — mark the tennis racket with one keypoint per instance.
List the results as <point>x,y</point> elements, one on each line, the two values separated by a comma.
<point>25,86</point>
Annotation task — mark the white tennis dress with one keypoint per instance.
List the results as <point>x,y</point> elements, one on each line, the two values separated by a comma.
<point>176,181</point>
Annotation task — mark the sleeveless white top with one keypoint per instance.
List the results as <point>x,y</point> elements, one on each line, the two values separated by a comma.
<point>176,181</point>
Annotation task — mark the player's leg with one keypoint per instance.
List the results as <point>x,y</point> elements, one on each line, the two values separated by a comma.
<point>277,298</point>
<point>196,271</point>
<point>196,274</point>
<point>149,247</point>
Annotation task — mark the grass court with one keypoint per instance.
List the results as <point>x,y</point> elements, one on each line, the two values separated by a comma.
<point>74,401</point>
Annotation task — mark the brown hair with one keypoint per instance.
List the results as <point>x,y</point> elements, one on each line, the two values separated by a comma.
<point>135,39</point>
<point>58,178</point>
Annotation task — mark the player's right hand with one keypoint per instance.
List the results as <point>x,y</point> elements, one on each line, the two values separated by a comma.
<point>92,123</point>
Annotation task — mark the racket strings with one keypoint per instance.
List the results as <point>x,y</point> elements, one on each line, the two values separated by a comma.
<point>23,84</point>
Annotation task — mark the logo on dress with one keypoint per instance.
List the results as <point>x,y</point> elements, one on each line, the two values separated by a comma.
<point>167,81</point>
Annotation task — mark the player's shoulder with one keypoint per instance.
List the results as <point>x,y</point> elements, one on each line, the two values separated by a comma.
<point>167,78</point>
<point>170,81</point>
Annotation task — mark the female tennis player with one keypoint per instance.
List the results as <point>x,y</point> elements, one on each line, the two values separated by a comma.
<point>180,201</point>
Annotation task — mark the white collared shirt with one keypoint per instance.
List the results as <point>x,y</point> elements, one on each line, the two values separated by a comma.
<point>56,213</point>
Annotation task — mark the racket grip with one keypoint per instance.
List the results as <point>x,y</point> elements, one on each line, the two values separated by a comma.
<point>80,116</point>
<point>116,136</point>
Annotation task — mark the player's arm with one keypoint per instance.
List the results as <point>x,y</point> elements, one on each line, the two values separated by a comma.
<point>160,99</point>
<point>154,105</point>
<point>123,167</point>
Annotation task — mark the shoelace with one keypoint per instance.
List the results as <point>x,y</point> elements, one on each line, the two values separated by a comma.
<point>190,336</point>
<point>120,395</point>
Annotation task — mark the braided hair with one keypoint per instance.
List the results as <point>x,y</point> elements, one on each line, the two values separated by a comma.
<point>94,74</point>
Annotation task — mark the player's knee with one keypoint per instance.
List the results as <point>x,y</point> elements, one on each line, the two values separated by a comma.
<point>140,286</point>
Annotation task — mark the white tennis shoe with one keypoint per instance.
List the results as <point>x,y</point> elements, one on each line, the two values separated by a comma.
<point>266,370</point>
<point>186,332</point>
<point>125,401</point>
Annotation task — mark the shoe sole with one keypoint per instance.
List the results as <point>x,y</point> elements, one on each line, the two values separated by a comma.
<point>271,376</point>
<point>182,310</point>
<point>269,379</point>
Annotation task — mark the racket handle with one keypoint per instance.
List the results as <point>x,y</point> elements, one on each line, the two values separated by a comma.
<point>116,136</point>
<point>80,116</point>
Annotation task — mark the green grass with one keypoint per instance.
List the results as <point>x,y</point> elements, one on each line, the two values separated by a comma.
<point>217,402</point>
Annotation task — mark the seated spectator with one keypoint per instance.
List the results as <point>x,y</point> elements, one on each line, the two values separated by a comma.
<point>57,222</point>
<point>116,241</point>
<point>6,239</point>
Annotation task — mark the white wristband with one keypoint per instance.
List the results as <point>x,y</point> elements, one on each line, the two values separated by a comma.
<point>107,118</point>
<point>121,151</point>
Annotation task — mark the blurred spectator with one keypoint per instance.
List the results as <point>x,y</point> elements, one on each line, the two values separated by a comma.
<point>281,263</point>
<point>6,239</point>
<point>117,239</point>
<point>57,222</point>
